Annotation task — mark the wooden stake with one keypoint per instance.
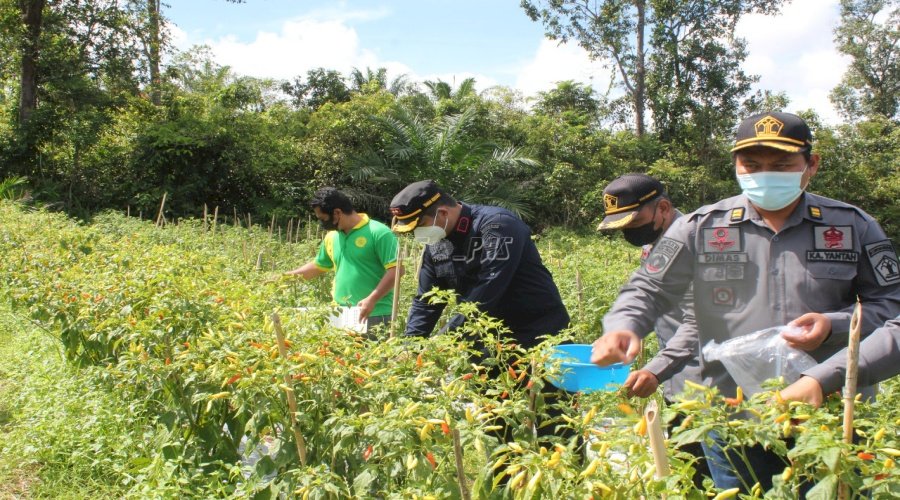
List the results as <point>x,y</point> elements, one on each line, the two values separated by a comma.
<point>259,261</point>
<point>205,215</point>
<point>290,229</point>
<point>460,473</point>
<point>657,440</point>
<point>160,218</point>
<point>291,399</point>
<point>237,221</point>
<point>127,210</point>
<point>850,384</point>
<point>215,218</point>
<point>580,294</point>
<point>397,277</point>
<point>272,226</point>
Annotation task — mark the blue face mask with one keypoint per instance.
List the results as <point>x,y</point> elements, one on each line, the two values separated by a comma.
<point>772,190</point>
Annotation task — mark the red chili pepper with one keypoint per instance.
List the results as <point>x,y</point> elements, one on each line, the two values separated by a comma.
<point>367,453</point>
<point>445,428</point>
<point>530,384</point>
<point>504,395</point>
<point>168,361</point>
<point>419,361</point>
<point>430,458</point>
<point>865,456</point>
<point>467,376</point>
<point>512,372</point>
<point>233,379</point>
<point>359,380</point>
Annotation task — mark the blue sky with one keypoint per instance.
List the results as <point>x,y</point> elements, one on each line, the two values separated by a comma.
<point>490,40</point>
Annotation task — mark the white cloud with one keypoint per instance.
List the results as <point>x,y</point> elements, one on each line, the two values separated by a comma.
<point>321,39</point>
<point>794,53</point>
<point>554,62</point>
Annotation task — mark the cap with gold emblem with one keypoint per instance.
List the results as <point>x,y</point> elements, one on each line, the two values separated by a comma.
<point>784,131</point>
<point>624,197</point>
<point>408,205</point>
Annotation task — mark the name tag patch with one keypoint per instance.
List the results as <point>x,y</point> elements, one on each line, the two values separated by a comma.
<point>722,258</point>
<point>833,237</point>
<point>662,256</point>
<point>835,256</point>
<point>883,259</point>
<point>722,239</point>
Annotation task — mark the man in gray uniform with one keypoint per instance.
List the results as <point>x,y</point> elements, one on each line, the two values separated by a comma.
<point>879,359</point>
<point>771,256</point>
<point>639,206</point>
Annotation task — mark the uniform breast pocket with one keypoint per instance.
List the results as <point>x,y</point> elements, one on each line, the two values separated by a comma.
<point>829,284</point>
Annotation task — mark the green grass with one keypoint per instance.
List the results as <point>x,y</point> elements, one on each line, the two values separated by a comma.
<point>61,434</point>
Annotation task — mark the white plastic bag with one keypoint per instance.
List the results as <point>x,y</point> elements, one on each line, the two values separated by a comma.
<point>756,357</point>
<point>348,319</point>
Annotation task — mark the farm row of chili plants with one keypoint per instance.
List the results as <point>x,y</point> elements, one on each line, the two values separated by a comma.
<point>178,321</point>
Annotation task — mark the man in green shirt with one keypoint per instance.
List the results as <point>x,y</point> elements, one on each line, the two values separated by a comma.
<point>361,252</point>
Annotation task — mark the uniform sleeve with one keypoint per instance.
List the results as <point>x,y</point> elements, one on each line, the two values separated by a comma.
<point>386,248</point>
<point>681,348</point>
<point>879,359</point>
<point>657,286</point>
<point>878,291</point>
<point>503,239</point>
<point>323,259</point>
<point>422,315</point>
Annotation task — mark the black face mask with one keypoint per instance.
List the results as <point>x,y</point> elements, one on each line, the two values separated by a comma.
<point>642,235</point>
<point>329,224</point>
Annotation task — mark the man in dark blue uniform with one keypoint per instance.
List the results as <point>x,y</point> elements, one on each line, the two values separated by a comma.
<point>483,253</point>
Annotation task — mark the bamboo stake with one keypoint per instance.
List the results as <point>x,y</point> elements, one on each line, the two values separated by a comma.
<point>160,218</point>
<point>657,440</point>
<point>850,384</point>
<point>272,226</point>
<point>259,261</point>
<point>291,399</point>
<point>237,221</point>
<point>205,215</point>
<point>396,304</point>
<point>460,474</point>
<point>290,229</point>
<point>215,218</point>
<point>128,210</point>
<point>580,293</point>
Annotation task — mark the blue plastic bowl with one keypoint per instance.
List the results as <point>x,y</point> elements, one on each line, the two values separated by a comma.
<point>578,374</point>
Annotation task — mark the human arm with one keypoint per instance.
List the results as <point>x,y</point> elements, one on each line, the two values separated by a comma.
<point>659,285</point>
<point>679,349</point>
<point>879,359</point>
<point>385,285</point>
<point>307,271</point>
<point>876,284</point>
<point>423,315</point>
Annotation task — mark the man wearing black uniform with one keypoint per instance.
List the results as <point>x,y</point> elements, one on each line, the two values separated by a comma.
<point>483,253</point>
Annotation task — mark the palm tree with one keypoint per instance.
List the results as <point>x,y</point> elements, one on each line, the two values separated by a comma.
<point>444,150</point>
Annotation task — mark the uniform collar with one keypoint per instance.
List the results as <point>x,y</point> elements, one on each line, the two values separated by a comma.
<point>800,212</point>
<point>363,220</point>
<point>463,224</point>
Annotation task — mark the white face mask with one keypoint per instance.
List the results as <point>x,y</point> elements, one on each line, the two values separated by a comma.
<point>772,190</point>
<point>429,235</point>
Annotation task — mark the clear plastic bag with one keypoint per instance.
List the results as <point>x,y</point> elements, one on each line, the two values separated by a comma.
<point>756,357</point>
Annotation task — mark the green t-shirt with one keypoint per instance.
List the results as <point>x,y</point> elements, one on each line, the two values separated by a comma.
<point>359,260</point>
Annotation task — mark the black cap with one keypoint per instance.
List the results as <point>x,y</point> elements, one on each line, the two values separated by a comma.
<point>408,205</point>
<point>784,131</point>
<point>624,197</point>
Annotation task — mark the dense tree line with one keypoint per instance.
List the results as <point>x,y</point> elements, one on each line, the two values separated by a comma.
<point>94,119</point>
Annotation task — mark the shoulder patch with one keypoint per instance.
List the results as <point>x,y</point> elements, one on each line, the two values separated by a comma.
<point>737,214</point>
<point>815,212</point>
<point>883,259</point>
<point>662,256</point>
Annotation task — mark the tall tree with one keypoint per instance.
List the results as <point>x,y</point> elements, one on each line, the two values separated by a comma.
<point>871,85</point>
<point>32,15</point>
<point>615,31</point>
